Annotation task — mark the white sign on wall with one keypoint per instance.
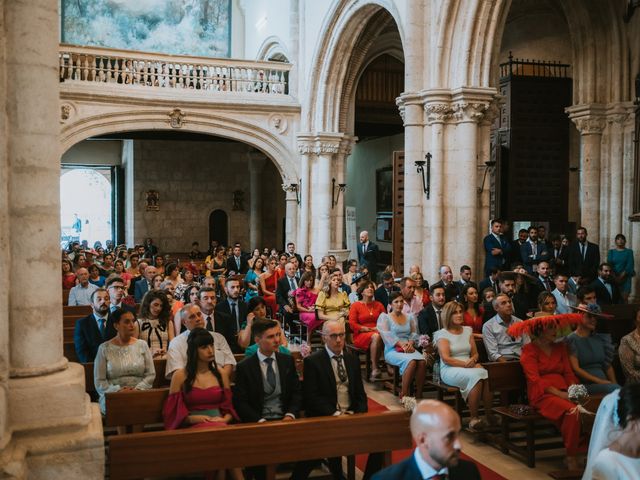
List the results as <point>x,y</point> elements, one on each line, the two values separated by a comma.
<point>352,239</point>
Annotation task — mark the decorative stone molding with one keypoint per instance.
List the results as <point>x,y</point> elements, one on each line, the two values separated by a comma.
<point>65,111</point>
<point>289,187</point>
<point>464,112</point>
<point>326,143</point>
<point>176,118</point>
<point>589,119</point>
<point>620,113</point>
<point>438,112</point>
<point>278,123</point>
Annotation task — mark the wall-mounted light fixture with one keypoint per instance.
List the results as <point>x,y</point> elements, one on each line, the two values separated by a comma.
<point>296,188</point>
<point>426,173</point>
<point>335,191</point>
<point>487,165</point>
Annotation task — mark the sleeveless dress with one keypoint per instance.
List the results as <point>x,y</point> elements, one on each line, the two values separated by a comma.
<point>270,300</point>
<point>392,333</point>
<point>363,315</point>
<point>307,298</point>
<point>212,401</point>
<point>252,278</point>
<point>460,349</point>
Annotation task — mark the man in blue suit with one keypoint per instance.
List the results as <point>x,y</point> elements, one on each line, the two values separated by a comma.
<point>533,251</point>
<point>94,329</point>
<point>496,248</point>
<point>144,284</point>
<point>435,428</point>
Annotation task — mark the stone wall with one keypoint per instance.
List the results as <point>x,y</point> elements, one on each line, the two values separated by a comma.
<point>194,178</point>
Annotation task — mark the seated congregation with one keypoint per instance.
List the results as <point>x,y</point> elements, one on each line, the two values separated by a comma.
<point>260,337</point>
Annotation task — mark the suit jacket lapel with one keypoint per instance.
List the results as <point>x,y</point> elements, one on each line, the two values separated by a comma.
<point>328,368</point>
<point>256,372</point>
<point>282,373</point>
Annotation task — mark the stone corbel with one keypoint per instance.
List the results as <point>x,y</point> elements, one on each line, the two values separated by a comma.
<point>588,119</point>
<point>408,99</point>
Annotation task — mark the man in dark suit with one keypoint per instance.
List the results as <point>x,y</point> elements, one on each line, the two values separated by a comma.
<point>368,255</point>
<point>286,284</point>
<point>446,281</point>
<point>490,281</point>
<point>584,256</point>
<point>237,262</point>
<point>435,428</point>
<point>115,287</point>
<point>266,384</point>
<point>383,291</point>
<point>607,292</point>
<point>559,255</point>
<point>233,313</point>
<point>291,252</point>
<point>143,285</point>
<point>496,248</point>
<point>94,329</point>
<point>465,278</point>
<point>332,386</point>
<point>430,318</point>
<point>545,282</point>
<point>533,252</point>
<point>516,245</point>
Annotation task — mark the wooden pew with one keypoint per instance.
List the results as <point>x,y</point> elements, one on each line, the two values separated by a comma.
<point>80,310</point>
<point>65,296</point>
<point>622,323</point>
<point>142,407</point>
<point>182,452</point>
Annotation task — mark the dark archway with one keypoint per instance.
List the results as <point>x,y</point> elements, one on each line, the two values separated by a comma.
<point>219,227</point>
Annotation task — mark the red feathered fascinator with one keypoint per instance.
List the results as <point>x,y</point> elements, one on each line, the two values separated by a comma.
<point>534,326</point>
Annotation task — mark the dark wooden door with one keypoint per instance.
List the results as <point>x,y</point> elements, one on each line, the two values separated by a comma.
<point>219,227</point>
<point>398,211</point>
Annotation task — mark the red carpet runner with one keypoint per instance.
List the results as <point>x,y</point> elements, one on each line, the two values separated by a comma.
<point>399,455</point>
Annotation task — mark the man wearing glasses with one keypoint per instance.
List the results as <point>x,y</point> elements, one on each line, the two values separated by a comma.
<point>339,393</point>
<point>115,287</point>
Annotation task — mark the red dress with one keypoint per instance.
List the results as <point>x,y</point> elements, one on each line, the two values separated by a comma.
<point>364,315</point>
<point>68,281</point>
<point>270,300</point>
<point>213,401</point>
<point>474,322</point>
<point>543,371</point>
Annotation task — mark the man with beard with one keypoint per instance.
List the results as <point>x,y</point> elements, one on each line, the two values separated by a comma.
<point>93,329</point>
<point>435,428</point>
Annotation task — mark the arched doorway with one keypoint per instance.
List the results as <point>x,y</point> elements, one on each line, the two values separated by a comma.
<point>219,227</point>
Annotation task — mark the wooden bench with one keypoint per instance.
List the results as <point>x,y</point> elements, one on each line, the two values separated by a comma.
<point>81,310</point>
<point>183,452</point>
<point>141,407</point>
<point>160,366</point>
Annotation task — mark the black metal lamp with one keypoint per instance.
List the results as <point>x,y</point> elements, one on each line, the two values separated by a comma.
<point>426,175</point>
<point>335,192</point>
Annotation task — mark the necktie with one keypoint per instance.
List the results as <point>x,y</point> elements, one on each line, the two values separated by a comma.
<point>582,250</point>
<point>342,373</point>
<point>292,283</point>
<point>439,319</point>
<point>271,374</point>
<point>113,308</point>
<point>209,324</point>
<point>234,314</point>
<point>102,323</point>
<point>364,249</point>
<point>534,249</point>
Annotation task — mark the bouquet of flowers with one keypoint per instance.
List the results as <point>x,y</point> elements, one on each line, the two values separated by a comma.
<point>424,342</point>
<point>578,393</point>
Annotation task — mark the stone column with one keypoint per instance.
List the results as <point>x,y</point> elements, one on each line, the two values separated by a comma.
<point>438,111</point>
<point>305,148</point>
<point>128,164</point>
<point>340,174</point>
<point>257,161</point>
<point>56,432</point>
<point>461,184</point>
<point>413,115</point>
<point>327,146</point>
<point>291,214</point>
<point>590,121</point>
<point>616,118</point>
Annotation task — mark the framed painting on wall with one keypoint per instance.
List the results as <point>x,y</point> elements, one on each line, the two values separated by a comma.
<point>384,189</point>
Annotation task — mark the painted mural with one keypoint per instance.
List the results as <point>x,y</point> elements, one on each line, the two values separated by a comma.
<point>182,27</point>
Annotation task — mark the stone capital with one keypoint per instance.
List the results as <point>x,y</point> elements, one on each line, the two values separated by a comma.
<point>324,143</point>
<point>465,112</point>
<point>408,104</point>
<point>438,112</point>
<point>589,119</point>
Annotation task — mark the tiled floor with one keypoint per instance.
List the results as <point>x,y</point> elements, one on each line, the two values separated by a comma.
<point>506,465</point>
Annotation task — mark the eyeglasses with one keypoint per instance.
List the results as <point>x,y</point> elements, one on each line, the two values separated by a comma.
<point>117,287</point>
<point>335,336</point>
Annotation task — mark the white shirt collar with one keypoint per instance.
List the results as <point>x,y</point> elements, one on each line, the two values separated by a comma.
<point>262,357</point>
<point>331,354</point>
<point>426,470</point>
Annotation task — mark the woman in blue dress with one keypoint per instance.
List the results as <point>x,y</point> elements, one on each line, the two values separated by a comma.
<point>399,334</point>
<point>459,365</point>
<point>591,353</point>
<point>251,279</point>
<point>621,258</point>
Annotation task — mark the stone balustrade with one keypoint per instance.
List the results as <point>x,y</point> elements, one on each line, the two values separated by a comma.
<point>149,70</point>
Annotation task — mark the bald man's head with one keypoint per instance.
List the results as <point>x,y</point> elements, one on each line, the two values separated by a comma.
<point>435,428</point>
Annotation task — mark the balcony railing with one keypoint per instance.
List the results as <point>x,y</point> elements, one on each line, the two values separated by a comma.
<point>154,71</point>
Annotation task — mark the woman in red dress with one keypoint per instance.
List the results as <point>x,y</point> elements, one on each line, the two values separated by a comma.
<point>363,318</point>
<point>473,311</point>
<point>68,277</point>
<point>268,284</point>
<point>421,292</point>
<point>200,393</point>
<point>549,374</point>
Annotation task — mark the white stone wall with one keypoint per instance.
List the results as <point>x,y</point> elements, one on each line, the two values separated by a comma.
<point>194,178</point>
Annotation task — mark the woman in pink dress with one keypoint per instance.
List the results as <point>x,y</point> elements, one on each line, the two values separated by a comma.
<point>306,296</point>
<point>200,393</point>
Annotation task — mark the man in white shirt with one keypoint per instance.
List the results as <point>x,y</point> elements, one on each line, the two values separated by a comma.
<point>564,298</point>
<point>81,293</point>
<point>191,316</point>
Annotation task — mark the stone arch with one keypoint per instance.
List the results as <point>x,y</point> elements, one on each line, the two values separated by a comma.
<point>349,31</point>
<point>470,34</point>
<point>273,47</point>
<point>197,122</point>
